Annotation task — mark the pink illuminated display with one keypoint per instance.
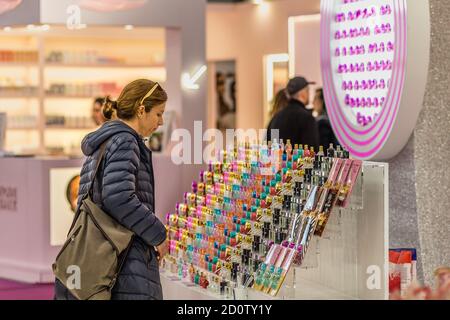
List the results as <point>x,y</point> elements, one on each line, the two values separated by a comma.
<point>111,5</point>
<point>363,51</point>
<point>8,5</point>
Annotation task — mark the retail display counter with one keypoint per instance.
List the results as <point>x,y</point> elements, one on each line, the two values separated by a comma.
<point>35,211</point>
<point>348,261</point>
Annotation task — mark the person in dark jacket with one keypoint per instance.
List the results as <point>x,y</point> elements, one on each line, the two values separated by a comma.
<point>326,134</point>
<point>125,186</point>
<point>294,122</point>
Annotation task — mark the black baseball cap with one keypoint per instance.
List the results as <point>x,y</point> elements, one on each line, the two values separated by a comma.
<point>297,84</point>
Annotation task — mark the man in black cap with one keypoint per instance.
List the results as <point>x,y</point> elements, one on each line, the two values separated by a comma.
<point>295,122</point>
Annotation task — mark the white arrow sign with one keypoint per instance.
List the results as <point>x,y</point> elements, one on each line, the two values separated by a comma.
<point>190,82</point>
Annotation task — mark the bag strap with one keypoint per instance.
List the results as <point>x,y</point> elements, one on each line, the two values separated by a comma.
<point>91,187</point>
<point>123,258</point>
<point>97,167</point>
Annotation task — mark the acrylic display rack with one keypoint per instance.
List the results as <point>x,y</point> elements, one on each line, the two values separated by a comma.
<point>351,256</point>
<point>336,265</point>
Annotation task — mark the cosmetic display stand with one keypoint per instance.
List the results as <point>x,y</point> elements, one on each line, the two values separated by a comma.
<point>348,262</point>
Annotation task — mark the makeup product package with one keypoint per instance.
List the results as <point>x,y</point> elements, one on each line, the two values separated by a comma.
<point>402,269</point>
<point>339,172</point>
<point>346,190</point>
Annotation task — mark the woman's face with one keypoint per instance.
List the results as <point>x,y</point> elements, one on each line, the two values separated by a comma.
<point>97,114</point>
<point>318,104</point>
<point>149,122</point>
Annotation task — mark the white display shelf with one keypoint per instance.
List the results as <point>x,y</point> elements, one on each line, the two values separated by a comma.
<point>310,290</point>
<point>22,128</point>
<point>61,96</point>
<point>18,96</point>
<point>176,289</point>
<point>51,127</point>
<point>19,64</point>
<point>68,128</point>
<point>106,65</point>
<point>355,241</point>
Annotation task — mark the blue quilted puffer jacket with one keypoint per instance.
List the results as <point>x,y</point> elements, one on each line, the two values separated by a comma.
<point>125,189</point>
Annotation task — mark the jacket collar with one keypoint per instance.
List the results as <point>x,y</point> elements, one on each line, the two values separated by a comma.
<point>296,103</point>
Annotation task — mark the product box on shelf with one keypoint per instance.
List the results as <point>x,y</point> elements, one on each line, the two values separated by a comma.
<point>402,269</point>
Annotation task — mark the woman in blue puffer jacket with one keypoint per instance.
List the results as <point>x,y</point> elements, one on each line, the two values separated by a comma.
<point>124,187</point>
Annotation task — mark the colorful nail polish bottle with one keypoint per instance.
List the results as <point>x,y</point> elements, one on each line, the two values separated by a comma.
<point>196,278</point>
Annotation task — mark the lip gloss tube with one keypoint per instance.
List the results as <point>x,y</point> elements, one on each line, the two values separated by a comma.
<point>273,254</point>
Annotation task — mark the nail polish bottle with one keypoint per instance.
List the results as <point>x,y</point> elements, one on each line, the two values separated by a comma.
<point>306,152</point>
<point>196,278</point>
<point>256,243</point>
<point>330,151</point>
<point>277,235</point>
<point>191,272</point>
<point>276,217</point>
<point>223,285</point>
<point>346,154</point>
<point>259,277</point>
<point>185,271</point>
<point>202,280</point>
<point>339,152</point>
<point>321,152</point>
<point>265,230</point>
<point>282,144</point>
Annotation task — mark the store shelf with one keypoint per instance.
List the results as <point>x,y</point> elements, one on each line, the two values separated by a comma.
<point>18,96</point>
<point>77,62</point>
<point>22,128</point>
<point>68,128</point>
<point>106,65</point>
<point>66,96</point>
<point>175,289</point>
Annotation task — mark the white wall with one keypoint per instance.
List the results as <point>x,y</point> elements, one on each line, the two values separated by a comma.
<point>305,51</point>
<point>245,33</point>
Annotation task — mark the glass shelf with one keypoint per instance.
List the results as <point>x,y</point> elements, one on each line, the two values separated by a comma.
<point>61,96</point>
<point>22,128</point>
<point>357,197</point>
<point>19,64</point>
<point>68,128</point>
<point>106,65</point>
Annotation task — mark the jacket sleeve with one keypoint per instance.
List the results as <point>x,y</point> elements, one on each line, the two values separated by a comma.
<point>326,134</point>
<point>310,133</point>
<point>119,192</point>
